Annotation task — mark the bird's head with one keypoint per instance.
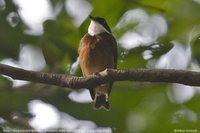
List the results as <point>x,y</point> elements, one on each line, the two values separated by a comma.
<point>98,25</point>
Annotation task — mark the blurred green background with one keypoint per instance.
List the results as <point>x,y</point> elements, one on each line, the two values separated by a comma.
<point>44,35</point>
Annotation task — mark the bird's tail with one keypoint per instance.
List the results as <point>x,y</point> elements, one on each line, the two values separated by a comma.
<point>101,101</point>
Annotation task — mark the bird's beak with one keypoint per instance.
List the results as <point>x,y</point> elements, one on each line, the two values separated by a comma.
<point>91,17</point>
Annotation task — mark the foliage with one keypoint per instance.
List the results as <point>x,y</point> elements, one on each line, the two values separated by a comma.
<point>136,107</point>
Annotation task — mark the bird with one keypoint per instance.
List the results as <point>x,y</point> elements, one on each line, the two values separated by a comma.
<point>97,52</point>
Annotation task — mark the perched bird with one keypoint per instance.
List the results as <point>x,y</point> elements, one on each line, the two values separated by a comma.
<point>98,51</point>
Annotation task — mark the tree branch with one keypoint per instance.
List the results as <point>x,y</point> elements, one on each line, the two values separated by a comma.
<point>146,75</point>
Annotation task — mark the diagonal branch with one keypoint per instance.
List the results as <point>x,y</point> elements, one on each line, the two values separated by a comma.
<point>146,75</point>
